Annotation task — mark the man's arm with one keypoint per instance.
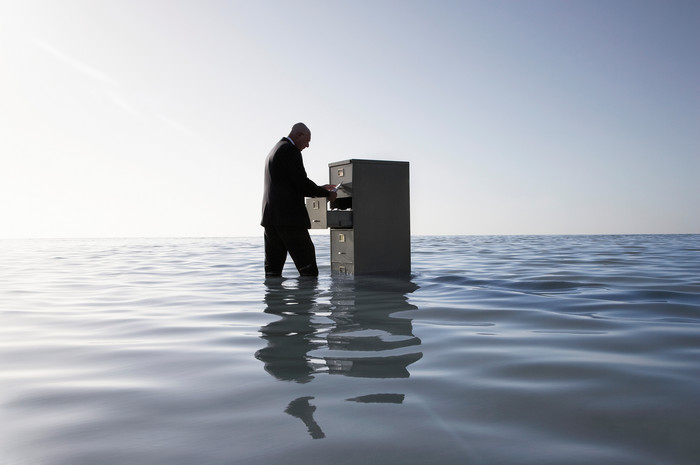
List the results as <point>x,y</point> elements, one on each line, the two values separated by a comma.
<point>298,177</point>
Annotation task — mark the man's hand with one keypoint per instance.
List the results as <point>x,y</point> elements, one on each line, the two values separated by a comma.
<point>331,189</point>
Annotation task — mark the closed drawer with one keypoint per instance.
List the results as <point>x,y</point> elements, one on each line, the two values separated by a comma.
<point>341,173</point>
<point>342,268</point>
<point>342,246</point>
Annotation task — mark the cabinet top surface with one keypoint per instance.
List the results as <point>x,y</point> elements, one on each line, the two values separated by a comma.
<point>363,161</point>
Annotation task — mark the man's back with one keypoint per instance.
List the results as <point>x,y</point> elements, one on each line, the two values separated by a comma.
<point>286,185</point>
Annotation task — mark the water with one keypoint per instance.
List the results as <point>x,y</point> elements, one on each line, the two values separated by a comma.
<point>497,350</point>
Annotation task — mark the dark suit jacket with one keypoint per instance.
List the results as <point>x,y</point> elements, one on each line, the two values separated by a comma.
<point>286,185</point>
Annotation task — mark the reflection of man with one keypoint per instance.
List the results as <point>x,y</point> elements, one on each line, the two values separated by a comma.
<point>284,214</point>
<point>359,319</point>
<point>291,338</point>
<point>303,410</point>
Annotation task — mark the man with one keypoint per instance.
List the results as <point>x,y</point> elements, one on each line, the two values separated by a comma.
<point>284,213</point>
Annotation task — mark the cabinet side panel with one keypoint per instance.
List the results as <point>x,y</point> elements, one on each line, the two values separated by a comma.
<point>381,217</point>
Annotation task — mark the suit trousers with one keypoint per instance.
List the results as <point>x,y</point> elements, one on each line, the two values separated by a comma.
<point>280,240</point>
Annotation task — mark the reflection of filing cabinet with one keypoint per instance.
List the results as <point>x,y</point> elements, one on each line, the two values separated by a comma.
<point>370,219</point>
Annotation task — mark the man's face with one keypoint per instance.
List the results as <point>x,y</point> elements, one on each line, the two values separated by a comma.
<point>304,140</point>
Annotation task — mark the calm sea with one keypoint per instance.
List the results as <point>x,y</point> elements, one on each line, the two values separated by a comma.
<point>497,350</point>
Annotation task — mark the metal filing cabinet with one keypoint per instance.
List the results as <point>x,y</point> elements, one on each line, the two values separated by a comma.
<point>370,219</point>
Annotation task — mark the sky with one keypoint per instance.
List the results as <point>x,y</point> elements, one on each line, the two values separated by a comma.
<point>152,118</point>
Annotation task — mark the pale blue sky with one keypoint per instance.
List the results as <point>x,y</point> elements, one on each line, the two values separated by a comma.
<point>153,118</point>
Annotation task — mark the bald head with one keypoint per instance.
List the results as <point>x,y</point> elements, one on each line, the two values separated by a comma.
<point>300,135</point>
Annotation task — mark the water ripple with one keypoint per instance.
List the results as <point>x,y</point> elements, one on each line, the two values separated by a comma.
<point>508,349</point>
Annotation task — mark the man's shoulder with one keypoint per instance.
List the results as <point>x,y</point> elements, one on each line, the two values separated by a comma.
<point>285,147</point>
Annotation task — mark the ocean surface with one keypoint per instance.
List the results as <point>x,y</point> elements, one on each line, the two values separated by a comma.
<point>496,350</point>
